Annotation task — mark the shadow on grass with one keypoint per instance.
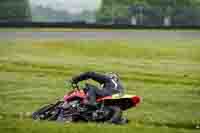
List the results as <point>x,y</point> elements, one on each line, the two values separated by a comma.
<point>179,125</point>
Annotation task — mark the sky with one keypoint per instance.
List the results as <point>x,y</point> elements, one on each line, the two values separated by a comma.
<point>73,6</point>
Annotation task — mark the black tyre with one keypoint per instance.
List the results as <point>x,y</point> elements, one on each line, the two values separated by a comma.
<point>45,112</point>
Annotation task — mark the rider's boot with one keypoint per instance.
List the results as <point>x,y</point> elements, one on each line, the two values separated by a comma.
<point>123,121</point>
<point>117,117</point>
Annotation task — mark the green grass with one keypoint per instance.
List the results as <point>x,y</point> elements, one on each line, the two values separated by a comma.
<point>166,73</point>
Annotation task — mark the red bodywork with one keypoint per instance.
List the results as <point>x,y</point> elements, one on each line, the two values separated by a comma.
<point>82,95</point>
<point>78,93</point>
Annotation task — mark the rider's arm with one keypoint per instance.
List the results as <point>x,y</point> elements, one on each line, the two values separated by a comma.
<point>91,75</point>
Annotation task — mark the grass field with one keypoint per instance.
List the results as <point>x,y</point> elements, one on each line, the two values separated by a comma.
<point>166,73</point>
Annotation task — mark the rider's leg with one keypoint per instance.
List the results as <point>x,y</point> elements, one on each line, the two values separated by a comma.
<point>91,96</point>
<point>94,92</point>
<point>91,92</point>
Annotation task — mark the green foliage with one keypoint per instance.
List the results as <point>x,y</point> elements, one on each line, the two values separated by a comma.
<point>152,2</point>
<point>151,11</point>
<point>14,10</point>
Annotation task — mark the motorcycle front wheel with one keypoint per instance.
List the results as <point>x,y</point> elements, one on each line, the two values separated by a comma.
<point>47,112</point>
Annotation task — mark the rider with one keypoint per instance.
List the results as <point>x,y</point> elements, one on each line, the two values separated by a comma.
<point>110,84</point>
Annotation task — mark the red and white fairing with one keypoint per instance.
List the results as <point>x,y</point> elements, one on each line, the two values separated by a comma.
<point>80,94</point>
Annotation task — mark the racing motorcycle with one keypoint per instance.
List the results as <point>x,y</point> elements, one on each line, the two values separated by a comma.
<point>72,107</point>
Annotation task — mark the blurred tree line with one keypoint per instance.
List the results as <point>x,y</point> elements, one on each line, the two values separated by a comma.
<point>135,12</point>
<point>14,10</point>
<point>150,12</point>
<point>47,14</point>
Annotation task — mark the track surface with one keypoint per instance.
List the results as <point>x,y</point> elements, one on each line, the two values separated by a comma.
<point>104,35</point>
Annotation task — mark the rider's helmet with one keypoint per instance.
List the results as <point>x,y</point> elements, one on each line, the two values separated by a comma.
<point>113,76</point>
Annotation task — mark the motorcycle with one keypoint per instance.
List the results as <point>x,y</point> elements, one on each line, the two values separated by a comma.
<point>72,108</point>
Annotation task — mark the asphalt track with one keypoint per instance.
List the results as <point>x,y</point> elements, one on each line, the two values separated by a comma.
<point>102,35</point>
